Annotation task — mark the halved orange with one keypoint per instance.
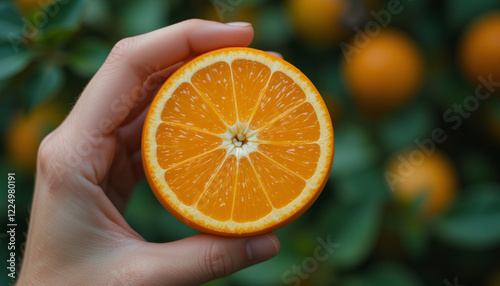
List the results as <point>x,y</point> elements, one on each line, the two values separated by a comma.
<point>237,142</point>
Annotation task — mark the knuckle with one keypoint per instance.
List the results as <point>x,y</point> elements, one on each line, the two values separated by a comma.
<point>46,153</point>
<point>121,50</point>
<point>218,261</point>
<point>50,158</point>
<point>188,26</point>
<point>192,22</point>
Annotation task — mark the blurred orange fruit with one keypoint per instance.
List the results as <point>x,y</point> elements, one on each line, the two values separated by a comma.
<point>26,132</point>
<point>32,5</point>
<point>385,73</point>
<point>237,142</point>
<point>480,48</point>
<point>431,176</point>
<point>318,21</point>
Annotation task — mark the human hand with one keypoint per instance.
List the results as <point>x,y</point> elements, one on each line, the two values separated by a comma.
<point>89,165</point>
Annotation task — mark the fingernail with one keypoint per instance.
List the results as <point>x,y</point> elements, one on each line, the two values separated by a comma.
<point>262,248</point>
<point>275,54</point>
<point>239,24</point>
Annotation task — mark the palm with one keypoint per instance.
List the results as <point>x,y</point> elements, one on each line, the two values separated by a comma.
<point>124,172</point>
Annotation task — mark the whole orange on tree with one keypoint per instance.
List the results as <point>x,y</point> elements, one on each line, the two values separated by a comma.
<point>384,73</point>
<point>26,131</point>
<point>32,5</point>
<point>318,21</point>
<point>480,46</point>
<point>414,175</point>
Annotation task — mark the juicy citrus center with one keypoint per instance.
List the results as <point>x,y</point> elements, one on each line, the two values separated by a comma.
<point>237,142</point>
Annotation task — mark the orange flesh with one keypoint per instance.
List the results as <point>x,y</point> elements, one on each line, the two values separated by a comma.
<point>281,94</point>
<point>250,79</point>
<point>237,141</point>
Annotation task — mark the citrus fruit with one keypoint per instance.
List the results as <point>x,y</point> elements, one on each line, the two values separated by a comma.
<point>430,177</point>
<point>26,131</point>
<point>385,73</point>
<point>479,48</point>
<point>32,5</point>
<point>318,21</point>
<point>237,142</point>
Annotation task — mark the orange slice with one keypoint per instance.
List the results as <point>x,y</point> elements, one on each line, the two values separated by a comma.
<point>237,142</point>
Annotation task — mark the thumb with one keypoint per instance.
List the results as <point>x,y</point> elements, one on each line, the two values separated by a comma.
<point>201,258</point>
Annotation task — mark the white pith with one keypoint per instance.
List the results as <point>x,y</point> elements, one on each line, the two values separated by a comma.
<point>239,141</point>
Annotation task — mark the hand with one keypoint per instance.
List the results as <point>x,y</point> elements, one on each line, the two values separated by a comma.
<point>88,166</point>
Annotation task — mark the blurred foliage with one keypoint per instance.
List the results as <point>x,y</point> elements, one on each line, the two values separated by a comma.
<point>48,54</point>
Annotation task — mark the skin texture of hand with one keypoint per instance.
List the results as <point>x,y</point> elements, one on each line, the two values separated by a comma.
<point>89,165</point>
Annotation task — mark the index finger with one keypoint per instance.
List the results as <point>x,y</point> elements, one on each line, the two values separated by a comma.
<point>114,89</point>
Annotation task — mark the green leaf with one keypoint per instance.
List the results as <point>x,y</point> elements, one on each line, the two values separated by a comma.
<point>462,11</point>
<point>97,15</point>
<point>401,129</point>
<point>69,15</point>
<point>88,56</point>
<point>270,272</point>
<point>354,226</point>
<point>7,112</point>
<point>142,16</point>
<point>10,21</point>
<point>54,37</point>
<point>63,16</point>
<point>355,187</point>
<point>473,222</point>
<point>42,83</point>
<point>384,274</point>
<point>355,151</point>
<point>413,228</point>
<point>12,62</point>
<point>476,167</point>
<point>272,28</point>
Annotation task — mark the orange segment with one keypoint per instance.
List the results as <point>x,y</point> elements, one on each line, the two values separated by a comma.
<point>250,79</point>
<point>300,125</point>
<point>237,142</point>
<point>277,181</point>
<point>187,107</point>
<point>250,202</point>
<point>177,143</point>
<point>216,83</point>
<point>301,159</point>
<point>217,201</point>
<point>281,94</point>
<point>188,180</point>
